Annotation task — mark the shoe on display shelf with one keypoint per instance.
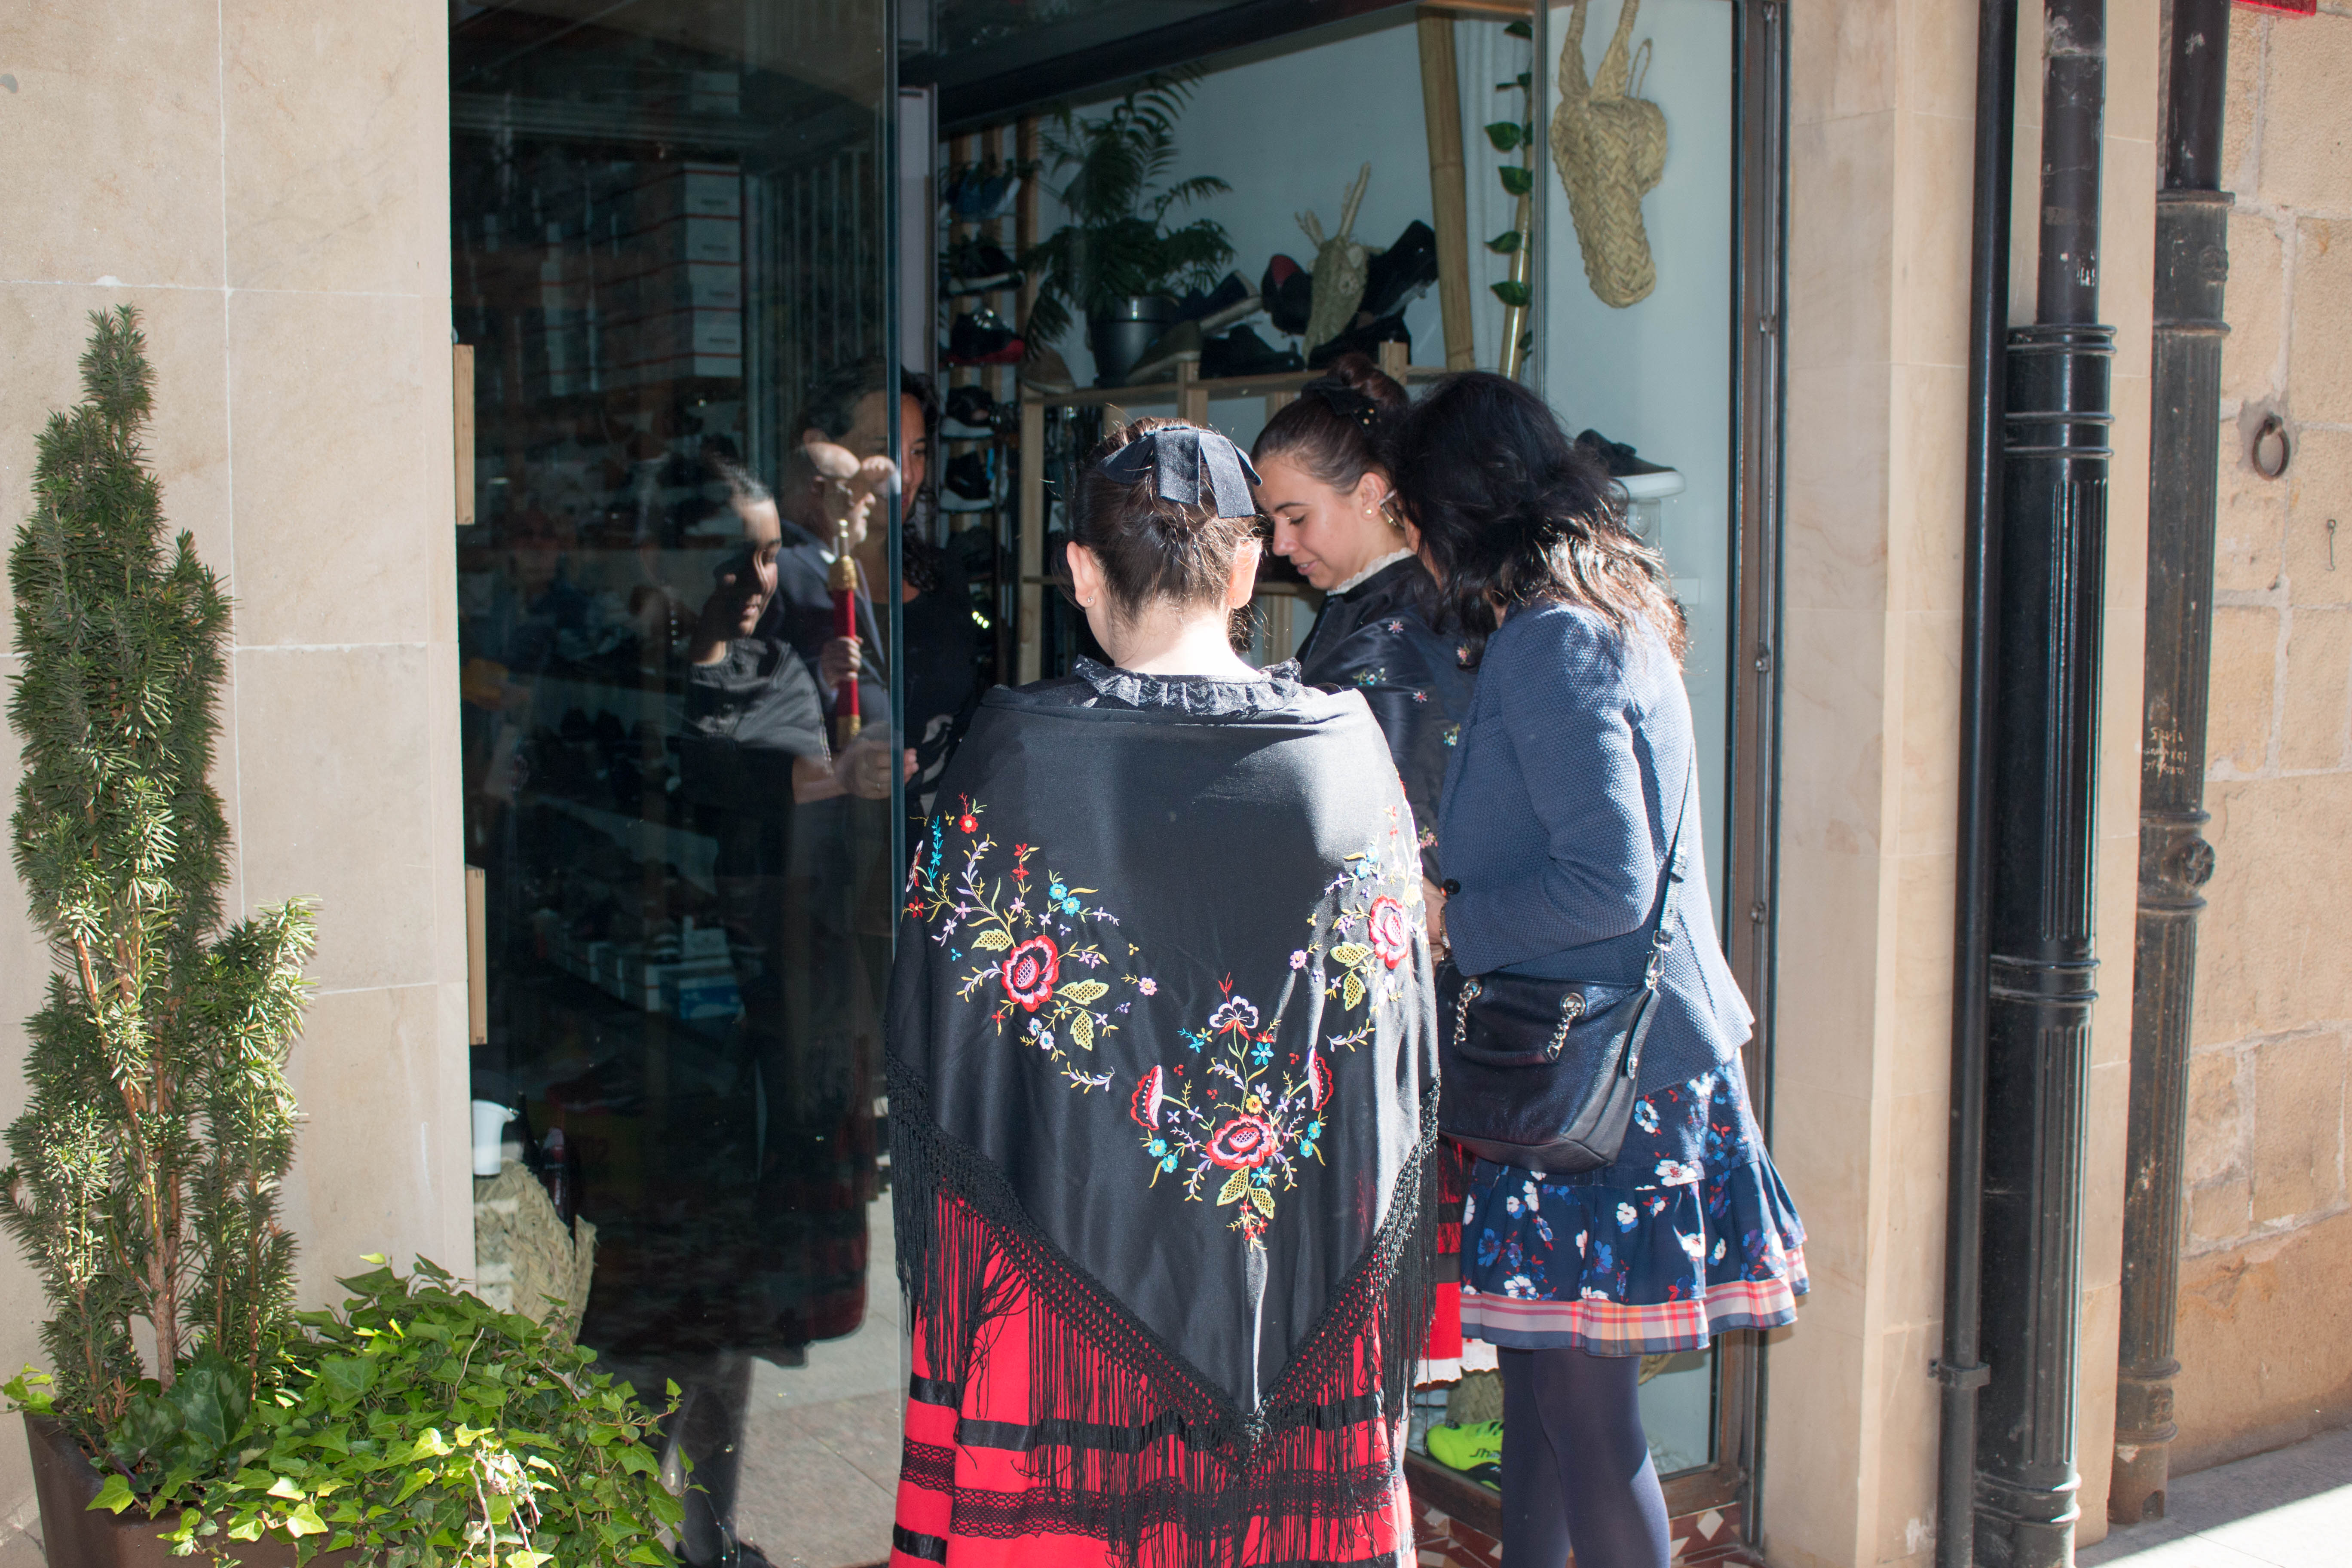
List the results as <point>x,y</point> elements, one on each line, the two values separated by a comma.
<point>975,194</point>
<point>971,415</point>
<point>1288,291</point>
<point>982,337</point>
<point>1403,273</point>
<point>1181,341</point>
<point>1476,1450</point>
<point>976,267</point>
<point>1046,371</point>
<point>969,486</point>
<point>1243,353</point>
<point>1365,339</point>
<point>1231,300</point>
<point>1621,462</point>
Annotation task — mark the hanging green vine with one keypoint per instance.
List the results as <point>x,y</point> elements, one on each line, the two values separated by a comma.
<point>1508,136</point>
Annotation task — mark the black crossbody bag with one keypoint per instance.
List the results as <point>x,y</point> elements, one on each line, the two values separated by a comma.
<point>1543,1074</point>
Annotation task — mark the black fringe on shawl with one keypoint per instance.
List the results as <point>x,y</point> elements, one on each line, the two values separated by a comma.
<point>1162,1448</point>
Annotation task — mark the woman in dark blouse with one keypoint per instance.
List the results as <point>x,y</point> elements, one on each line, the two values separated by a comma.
<point>1573,776</point>
<point>1324,480</point>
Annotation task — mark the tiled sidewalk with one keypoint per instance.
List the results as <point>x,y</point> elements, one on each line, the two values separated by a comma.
<point>2291,1509</point>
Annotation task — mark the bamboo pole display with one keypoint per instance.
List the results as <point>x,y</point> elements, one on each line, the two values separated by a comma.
<point>1441,103</point>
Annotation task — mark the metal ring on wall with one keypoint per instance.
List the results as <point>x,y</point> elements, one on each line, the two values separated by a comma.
<point>2271,430</point>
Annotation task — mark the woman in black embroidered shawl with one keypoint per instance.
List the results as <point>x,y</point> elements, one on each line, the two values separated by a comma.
<point>1162,1063</point>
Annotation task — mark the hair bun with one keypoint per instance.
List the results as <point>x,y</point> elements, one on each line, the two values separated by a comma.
<point>1359,374</point>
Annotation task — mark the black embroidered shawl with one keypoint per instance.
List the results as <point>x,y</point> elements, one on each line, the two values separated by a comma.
<point>1162,1041</point>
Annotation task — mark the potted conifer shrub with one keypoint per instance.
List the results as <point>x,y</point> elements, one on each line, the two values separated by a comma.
<point>144,1174</point>
<point>418,1426</point>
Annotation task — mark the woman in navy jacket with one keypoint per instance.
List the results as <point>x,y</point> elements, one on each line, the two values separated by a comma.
<point>1570,778</point>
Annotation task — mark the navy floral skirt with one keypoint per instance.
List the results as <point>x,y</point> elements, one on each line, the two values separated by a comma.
<point>1689,1233</point>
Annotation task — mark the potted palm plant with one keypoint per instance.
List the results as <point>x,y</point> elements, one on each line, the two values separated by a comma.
<point>1118,260</point>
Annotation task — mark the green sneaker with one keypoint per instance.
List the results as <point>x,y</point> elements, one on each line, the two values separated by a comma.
<point>1467,1448</point>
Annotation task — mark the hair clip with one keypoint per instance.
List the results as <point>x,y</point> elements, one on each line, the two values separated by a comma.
<point>1187,465</point>
<point>1343,400</point>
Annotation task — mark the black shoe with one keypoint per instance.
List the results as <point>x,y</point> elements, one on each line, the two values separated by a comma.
<point>1403,273</point>
<point>1243,353</point>
<point>976,267</point>
<point>975,194</point>
<point>1619,459</point>
<point>1230,301</point>
<point>1365,339</point>
<point>968,485</point>
<point>1288,291</point>
<point>982,337</point>
<point>971,414</point>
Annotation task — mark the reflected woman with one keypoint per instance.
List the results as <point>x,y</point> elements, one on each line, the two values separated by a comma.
<point>1162,1083</point>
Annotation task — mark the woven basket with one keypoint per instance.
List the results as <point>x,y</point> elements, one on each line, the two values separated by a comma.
<point>525,1259</point>
<point>1609,148</point>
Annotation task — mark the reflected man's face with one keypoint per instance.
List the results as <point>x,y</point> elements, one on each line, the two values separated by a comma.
<point>869,436</point>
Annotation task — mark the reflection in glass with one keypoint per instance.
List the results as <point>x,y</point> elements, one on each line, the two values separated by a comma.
<point>669,252</point>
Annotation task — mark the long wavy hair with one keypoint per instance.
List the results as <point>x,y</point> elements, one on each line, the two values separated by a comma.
<point>1512,512</point>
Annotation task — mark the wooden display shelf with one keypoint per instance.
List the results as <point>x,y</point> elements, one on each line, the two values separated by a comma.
<point>1280,384</point>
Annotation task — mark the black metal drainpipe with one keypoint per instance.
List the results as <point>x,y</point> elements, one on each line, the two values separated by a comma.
<point>2045,737</point>
<point>2192,260</point>
<point>1958,1368</point>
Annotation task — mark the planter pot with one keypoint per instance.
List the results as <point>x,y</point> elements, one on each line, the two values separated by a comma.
<point>75,1536</point>
<point>1119,335</point>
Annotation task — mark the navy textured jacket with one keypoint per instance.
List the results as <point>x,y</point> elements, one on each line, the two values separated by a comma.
<point>1559,803</point>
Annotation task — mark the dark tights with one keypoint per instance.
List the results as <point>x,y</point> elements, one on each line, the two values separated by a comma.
<point>1576,1464</point>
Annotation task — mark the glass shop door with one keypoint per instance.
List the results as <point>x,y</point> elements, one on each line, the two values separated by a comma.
<point>670,257</point>
<point>1656,304</point>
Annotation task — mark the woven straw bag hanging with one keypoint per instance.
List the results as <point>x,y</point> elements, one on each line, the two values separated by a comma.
<point>1611,149</point>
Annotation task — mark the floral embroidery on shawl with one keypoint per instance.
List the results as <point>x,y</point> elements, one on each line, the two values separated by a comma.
<point>1242,1128</point>
<point>1023,939</point>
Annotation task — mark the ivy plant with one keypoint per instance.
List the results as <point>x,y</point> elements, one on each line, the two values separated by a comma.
<point>426,1429</point>
<point>1518,179</point>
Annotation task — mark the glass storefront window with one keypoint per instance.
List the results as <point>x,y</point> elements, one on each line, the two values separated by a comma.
<point>669,247</point>
<point>1655,372</point>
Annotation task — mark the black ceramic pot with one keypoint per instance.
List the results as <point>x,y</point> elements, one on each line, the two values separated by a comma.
<point>1119,335</point>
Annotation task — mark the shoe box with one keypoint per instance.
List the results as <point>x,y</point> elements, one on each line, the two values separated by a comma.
<point>670,290</point>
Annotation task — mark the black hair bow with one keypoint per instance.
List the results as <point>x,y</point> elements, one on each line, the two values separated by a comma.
<point>1189,465</point>
<point>1343,400</point>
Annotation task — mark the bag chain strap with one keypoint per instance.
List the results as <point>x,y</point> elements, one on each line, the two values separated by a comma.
<point>1470,989</point>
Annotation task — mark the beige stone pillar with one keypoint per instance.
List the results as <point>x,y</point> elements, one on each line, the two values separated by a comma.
<point>1882,110</point>
<point>269,186</point>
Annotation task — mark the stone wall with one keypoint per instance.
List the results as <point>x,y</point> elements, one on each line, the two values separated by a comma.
<point>269,184</point>
<point>1882,105</point>
<point>2265,1325</point>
